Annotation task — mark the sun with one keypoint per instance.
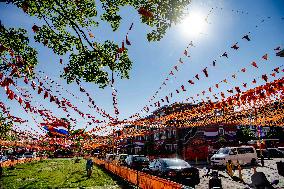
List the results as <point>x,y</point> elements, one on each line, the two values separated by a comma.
<point>193,24</point>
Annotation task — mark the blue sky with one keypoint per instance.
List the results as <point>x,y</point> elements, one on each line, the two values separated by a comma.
<point>152,61</point>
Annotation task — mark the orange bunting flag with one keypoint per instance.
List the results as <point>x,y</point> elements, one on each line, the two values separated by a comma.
<point>171,73</point>
<point>217,86</point>
<point>246,37</point>
<point>225,81</point>
<point>182,87</point>
<point>205,72</point>
<point>243,70</point>
<point>176,68</point>
<point>254,81</point>
<point>273,74</point>
<point>203,92</point>
<point>238,89</point>
<point>276,70</point>
<point>210,90</point>
<point>91,35</point>
<point>245,85</point>
<point>127,41</point>
<point>167,99</point>
<point>45,95</point>
<point>35,28</point>
<point>225,54</point>
<point>265,57</point>
<point>191,82</point>
<point>235,46</point>
<point>264,77</point>
<point>230,91</point>
<point>254,64</point>
<point>197,77</point>
<point>222,94</point>
<point>144,12</point>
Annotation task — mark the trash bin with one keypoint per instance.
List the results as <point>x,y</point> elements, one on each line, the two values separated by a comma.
<point>280,168</point>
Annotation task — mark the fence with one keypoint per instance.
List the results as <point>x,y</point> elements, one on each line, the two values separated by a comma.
<point>11,163</point>
<point>143,180</point>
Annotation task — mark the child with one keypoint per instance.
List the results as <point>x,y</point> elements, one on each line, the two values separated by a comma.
<point>89,166</point>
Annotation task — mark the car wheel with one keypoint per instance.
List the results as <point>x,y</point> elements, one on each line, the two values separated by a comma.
<point>253,161</point>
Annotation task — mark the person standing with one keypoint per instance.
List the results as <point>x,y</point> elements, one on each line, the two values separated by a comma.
<point>89,167</point>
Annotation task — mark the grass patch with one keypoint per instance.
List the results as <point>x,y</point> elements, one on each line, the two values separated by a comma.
<point>55,173</point>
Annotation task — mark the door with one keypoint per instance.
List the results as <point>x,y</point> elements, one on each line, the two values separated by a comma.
<point>233,155</point>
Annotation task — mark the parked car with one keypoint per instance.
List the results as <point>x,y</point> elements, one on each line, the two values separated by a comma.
<point>120,159</point>
<point>3,159</point>
<point>275,153</point>
<point>176,170</point>
<point>110,157</point>
<point>20,156</point>
<point>30,155</point>
<point>281,149</point>
<point>137,162</point>
<point>243,155</point>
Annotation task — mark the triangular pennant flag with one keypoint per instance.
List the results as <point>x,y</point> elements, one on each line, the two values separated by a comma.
<point>197,77</point>
<point>225,54</point>
<point>235,46</point>
<point>205,72</point>
<point>246,37</point>
<point>254,64</point>
<point>254,81</point>
<point>127,41</point>
<point>265,57</point>
<point>191,82</point>
<point>264,77</point>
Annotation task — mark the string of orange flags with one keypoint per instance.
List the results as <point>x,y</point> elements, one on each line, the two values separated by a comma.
<point>234,46</point>
<point>203,112</point>
<point>90,102</point>
<point>197,77</point>
<point>40,89</point>
<point>6,83</point>
<point>233,76</point>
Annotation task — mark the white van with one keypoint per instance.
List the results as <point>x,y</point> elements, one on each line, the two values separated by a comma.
<point>243,155</point>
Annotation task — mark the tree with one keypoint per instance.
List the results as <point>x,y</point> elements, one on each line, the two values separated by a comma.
<point>5,127</point>
<point>65,32</point>
<point>244,134</point>
<point>276,133</point>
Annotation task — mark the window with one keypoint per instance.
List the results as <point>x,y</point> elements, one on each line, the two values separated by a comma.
<point>169,147</point>
<point>245,150</point>
<point>174,146</point>
<point>221,131</point>
<point>174,133</point>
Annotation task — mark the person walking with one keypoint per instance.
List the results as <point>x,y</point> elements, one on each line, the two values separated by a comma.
<point>89,167</point>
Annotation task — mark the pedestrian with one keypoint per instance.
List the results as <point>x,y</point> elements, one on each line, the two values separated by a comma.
<point>89,167</point>
<point>262,160</point>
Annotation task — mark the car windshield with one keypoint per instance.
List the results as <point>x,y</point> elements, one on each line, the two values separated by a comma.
<point>175,162</point>
<point>223,151</point>
<point>140,158</point>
